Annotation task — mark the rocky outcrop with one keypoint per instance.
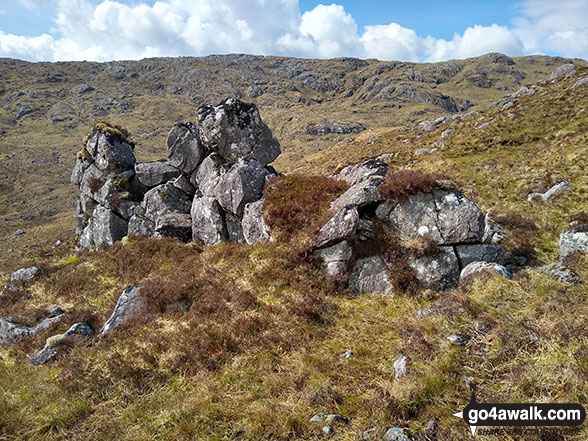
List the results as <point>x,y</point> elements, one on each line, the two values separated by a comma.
<point>324,128</point>
<point>450,228</point>
<point>573,241</point>
<point>208,189</point>
<point>10,332</point>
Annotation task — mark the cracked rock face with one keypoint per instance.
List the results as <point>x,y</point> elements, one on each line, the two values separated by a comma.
<point>234,130</point>
<point>184,148</point>
<point>446,217</point>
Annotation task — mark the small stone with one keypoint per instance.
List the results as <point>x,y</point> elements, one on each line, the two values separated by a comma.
<point>328,430</point>
<point>395,434</point>
<point>18,233</point>
<point>43,356</point>
<point>476,268</point>
<point>336,418</point>
<point>431,430</point>
<point>24,275</point>
<point>319,417</point>
<point>347,355</point>
<point>456,339</point>
<point>82,329</point>
<point>400,367</point>
<point>57,243</point>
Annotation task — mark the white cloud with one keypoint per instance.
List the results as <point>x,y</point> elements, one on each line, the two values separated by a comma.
<point>477,40</point>
<point>554,27</point>
<point>112,29</point>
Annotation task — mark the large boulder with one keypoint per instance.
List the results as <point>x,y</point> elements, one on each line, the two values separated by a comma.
<point>234,130</point>
<point>129,304</point>
<point>370,275</point>
<point>364,192</point>
<point>103,228</point>
<point>177,225</point>
<point>109,151</point>
<point>469,253</point>
<point>184,149</point>
<point>355,173</point>
<point>208,221</point>
<point>165,199</point>
<point>255,229</point>
<point>439,271</point>
<point>151,174</point>
<point>206,177</point>
<point>446,217</point>
<point>242,184</point>
<point>341,226</point>
<point>573,241</point>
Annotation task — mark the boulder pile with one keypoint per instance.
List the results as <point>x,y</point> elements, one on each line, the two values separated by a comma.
<point>208,189</point>
<point>444,217</point>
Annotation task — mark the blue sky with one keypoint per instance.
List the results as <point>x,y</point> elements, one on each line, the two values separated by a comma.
<point>394,30</point>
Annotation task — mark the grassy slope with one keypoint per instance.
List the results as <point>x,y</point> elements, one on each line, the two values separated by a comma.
<point>256,356</point>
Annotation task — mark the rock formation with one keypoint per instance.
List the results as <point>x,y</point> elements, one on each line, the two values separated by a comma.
<point>453,225</point>
<point>207,189</point>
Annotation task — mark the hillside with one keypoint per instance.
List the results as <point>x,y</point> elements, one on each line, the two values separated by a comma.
<point>249,341</point>
<point>47,109</point>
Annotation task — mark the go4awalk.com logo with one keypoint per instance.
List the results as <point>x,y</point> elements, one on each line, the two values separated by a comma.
<point>521,414</point>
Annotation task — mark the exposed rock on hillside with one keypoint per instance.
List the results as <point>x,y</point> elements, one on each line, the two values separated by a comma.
<point>440,219</point>
<point>212,172</point>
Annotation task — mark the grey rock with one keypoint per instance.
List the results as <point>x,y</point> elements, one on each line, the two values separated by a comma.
<point>80,329</point>
<point>177,225</point>
<point>12,333</point>
<point>151,174</point>
<point>476,268</point>
<point>336,418</point>
<point>335,258</point>
<point>208,221</point>
<point>400,367</point>
<point>165,199</point>
<point>103,229</point>
<point>370,275</point>
<point>341,226</point>
<point>61,112</point>
<point>184,149</point>
<point>363,193</point>
<point>129,304</point>
<point>82,89</point>
<point>557,189</point>
<point>328,430</point>
<point>18,233</point>
<point>242,184</point>
<point>395,434</point>
<point>234,130</point>
<point>573,241</point>
<point>347,355</point>
<point>206,177</point>
<point>356,173</point>
<point>493,232</point>
<point>324,128</point>
<point>318,418</point>
<point>581,82</point>
<point>565,70</point>
<point>456,339</point>
<point>425,151</point>
<point>563,273</point>
<point>43,356</point>
<point>184,184</point>
<point>109,152</point>
<point>439,271</point>
<point>234,228</point>
<point>24,275</point>
<point>469,253</point>
<point>446,217</point>
<point>255,229</point>
<point>141,226</point>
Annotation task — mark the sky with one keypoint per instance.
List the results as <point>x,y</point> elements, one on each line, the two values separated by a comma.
<point>419,30</point>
